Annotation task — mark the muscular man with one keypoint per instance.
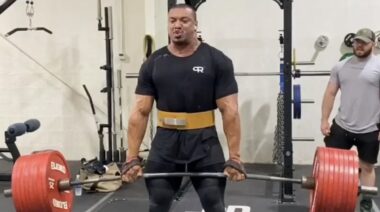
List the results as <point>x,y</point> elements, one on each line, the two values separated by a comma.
<point>188,80</point>
<point>358,79</point>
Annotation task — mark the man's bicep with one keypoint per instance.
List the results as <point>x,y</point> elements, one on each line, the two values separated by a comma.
<point>332,88</point>
<point>144,104</point>
<point>230,101</point>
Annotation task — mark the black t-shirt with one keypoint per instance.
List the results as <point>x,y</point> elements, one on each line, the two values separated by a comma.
<point>187,84</point>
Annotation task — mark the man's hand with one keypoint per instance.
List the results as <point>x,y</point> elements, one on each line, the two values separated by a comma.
<point>234,170</point>
<point>132,170</point>
<point>325,128</point>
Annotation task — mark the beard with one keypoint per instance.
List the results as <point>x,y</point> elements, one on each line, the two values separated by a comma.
<point>362,55</point>
<point>179,42</point>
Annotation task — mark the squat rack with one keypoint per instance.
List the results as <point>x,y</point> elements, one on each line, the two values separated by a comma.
<point>286,188</point>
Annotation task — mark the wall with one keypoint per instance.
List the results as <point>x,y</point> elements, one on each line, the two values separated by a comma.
<point>247,31</point>
<point>48,86</point>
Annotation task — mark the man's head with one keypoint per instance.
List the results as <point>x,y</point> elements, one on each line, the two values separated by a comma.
<point>182,24</point>
<point>364,41</point>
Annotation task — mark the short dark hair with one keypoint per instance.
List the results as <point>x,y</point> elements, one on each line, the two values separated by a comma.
<point>184,6</point>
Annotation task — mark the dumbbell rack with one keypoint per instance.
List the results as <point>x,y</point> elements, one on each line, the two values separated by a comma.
<point>10,141</point>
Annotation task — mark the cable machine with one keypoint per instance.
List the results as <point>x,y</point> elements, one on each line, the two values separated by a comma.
<point>29,13</point>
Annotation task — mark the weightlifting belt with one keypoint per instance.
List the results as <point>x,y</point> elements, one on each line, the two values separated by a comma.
<point>185,121</point>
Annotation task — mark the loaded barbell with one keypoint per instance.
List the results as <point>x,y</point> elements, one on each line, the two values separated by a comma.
<point>41,181</point>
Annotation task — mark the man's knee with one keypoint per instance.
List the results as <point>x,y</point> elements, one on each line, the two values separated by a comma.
<point>160,200</point>
<point>212,200</point>
<point>366,167</point>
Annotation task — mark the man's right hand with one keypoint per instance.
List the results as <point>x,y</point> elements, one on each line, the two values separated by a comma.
<point>325,128</point>
<point>234,170</point>
<point>131,170</point>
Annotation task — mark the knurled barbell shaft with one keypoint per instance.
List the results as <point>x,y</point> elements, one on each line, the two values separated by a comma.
<point>305,182</point>
<point>67,184</point>
<point>252,74</point>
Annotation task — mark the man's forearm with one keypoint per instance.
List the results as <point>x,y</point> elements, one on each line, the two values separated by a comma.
<point>232,130</point>
<point>327,105</point>
<point>136,131</point>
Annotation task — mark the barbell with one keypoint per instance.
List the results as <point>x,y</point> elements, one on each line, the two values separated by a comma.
<point>41,181</point>
<point>296,74</point>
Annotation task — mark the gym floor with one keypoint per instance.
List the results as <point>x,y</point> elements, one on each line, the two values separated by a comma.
<point>247,196</point>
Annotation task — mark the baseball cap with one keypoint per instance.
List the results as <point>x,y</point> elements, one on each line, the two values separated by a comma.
<point>365,35</point>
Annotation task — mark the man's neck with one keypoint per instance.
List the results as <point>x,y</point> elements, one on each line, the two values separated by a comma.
<point>364,58</point>
<point>184,50</point>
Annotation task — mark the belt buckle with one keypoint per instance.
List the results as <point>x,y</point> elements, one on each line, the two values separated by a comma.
<point>175,122</point>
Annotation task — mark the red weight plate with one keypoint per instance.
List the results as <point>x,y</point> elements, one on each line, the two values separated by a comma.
<point>346,179</point>
<point>330,184</point>
<point>335,172</point>
<point>323,180</point>
<point>341,183</point>
<point>339,194</point>
<point>352,186</point>
<point>35,183</point>
<point>316,195</point>
<point>312,196</point>
<point>328,172</point>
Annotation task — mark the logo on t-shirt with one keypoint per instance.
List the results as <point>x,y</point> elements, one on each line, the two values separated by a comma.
<point>198,69</point>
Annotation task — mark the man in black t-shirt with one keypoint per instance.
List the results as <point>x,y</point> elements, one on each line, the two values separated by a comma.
<point>188,80</point>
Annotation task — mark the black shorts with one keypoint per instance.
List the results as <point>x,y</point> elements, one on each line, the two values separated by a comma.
<point>168,167</point>
<point>196,166</point>
<point>367,144</point>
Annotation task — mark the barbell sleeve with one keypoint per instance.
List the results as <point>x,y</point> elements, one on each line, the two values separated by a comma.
<point>370,190</point>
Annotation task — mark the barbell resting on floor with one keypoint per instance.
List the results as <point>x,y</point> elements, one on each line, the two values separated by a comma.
<point>41,181</point>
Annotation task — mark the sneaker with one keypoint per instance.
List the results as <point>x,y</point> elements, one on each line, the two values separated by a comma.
<point>366,205</point>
